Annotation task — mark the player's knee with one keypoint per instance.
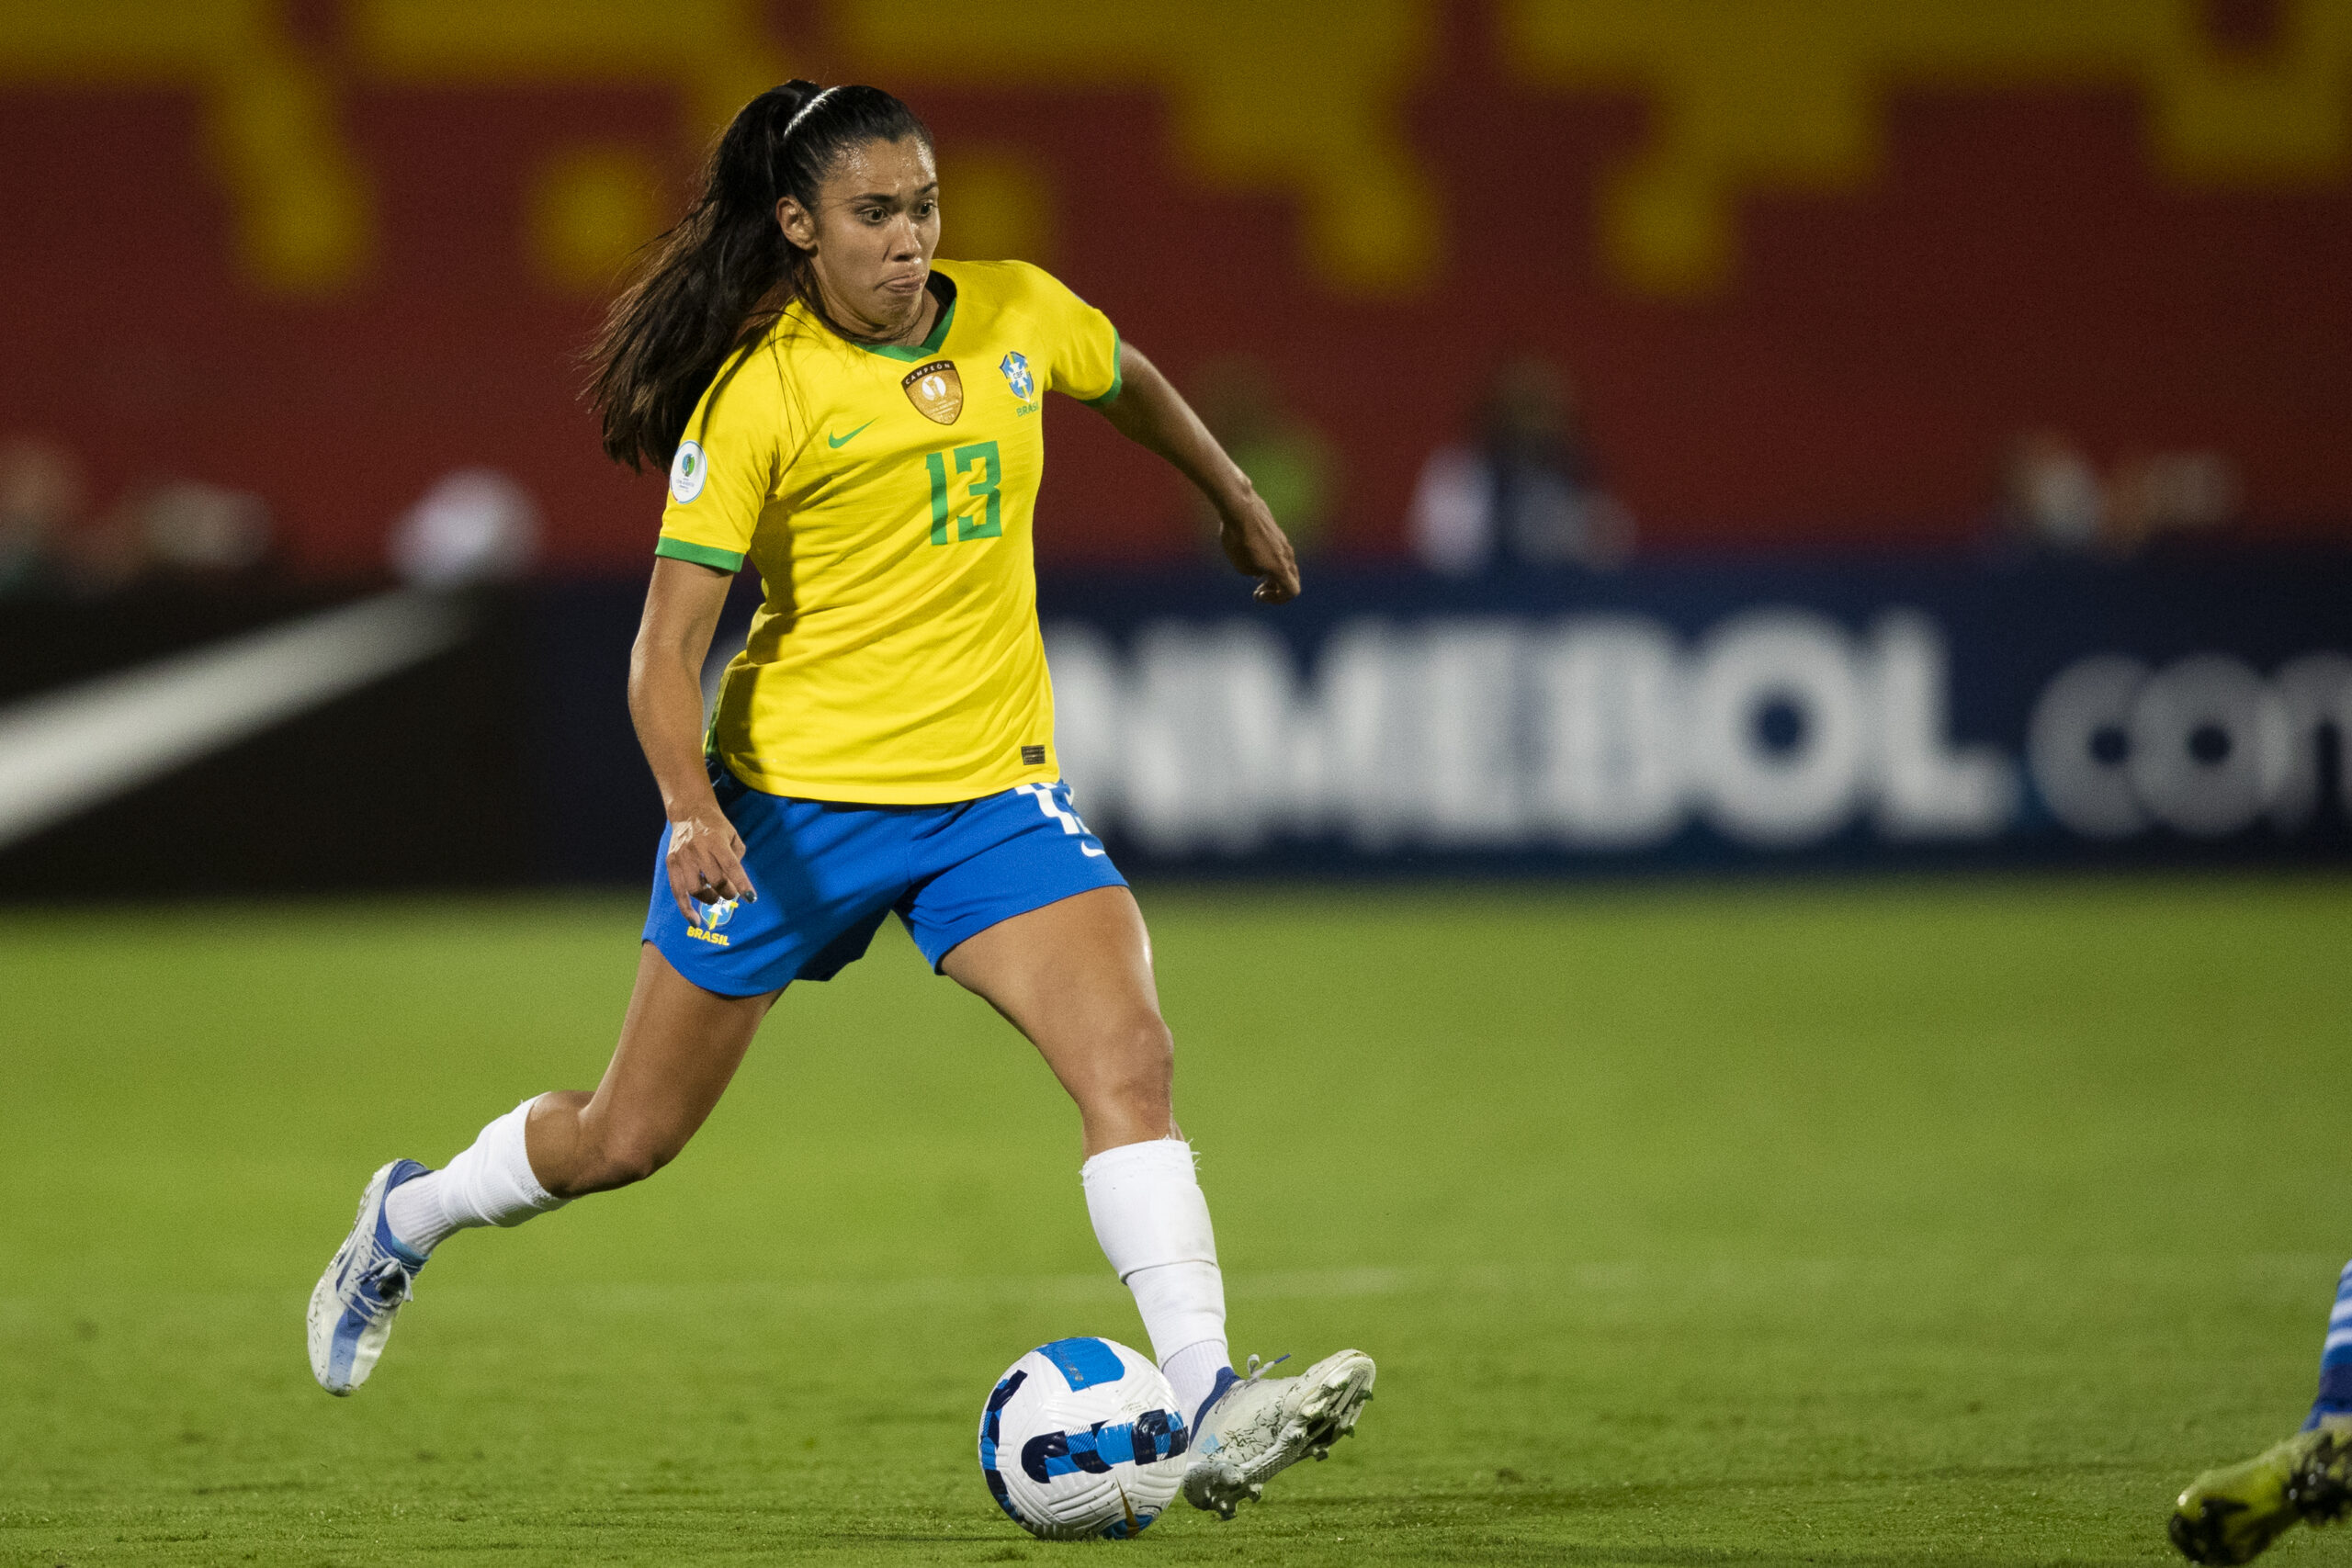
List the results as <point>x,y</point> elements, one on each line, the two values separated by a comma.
<point>620,1158</point>
<point>635,1160</point>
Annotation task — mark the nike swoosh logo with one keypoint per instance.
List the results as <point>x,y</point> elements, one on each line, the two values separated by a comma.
<point>838,442</point>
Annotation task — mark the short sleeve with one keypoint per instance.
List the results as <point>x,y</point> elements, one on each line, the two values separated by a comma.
<point>1083,346</point>
<point>726,467</point>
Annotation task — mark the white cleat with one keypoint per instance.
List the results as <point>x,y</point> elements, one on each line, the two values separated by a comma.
<point>356,1300</point>
<point>1250,1428</point>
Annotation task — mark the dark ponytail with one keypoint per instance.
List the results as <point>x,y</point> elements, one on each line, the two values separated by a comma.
<point>726,272</point>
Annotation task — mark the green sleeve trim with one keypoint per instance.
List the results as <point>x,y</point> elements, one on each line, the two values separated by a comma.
<point>1107,398</point>
<point>701,555</point>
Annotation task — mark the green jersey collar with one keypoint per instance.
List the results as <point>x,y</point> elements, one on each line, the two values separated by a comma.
<point>944,287</point>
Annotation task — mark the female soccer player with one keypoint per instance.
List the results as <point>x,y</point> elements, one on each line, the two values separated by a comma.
<point>862,425</point>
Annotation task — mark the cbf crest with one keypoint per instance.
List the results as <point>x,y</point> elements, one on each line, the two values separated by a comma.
<point>936,391</point>
<point>1017,376</point>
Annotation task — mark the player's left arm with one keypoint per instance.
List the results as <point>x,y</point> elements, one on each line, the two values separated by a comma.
<point>1146,409</point>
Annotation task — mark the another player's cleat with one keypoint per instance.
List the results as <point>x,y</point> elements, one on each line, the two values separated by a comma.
<point>356,1300</point>
<point>1250,1428</point>
<point>2229,1515</point>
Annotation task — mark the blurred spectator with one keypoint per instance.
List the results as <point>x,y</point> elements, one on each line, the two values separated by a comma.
<point>42,500</point>
<point>189,529</point>
<point>474,526</point>
<point>1286,459</point>
<point>1527,493</point>
<point>2171,493</point>
<point>2052,499</point>
<point>178,529</point>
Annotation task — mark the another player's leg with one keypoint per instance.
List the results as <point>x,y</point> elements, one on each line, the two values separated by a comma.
<point>1075,976</point>
<point>679,1047</point>
<point>2229,1515</point>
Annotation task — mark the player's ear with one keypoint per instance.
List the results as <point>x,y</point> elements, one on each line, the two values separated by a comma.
<point>799,225</point>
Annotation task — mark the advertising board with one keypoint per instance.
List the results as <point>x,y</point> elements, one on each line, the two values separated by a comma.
<point>1715,713</point>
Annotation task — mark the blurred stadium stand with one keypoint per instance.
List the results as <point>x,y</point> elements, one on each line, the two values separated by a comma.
<point>1943,309</point>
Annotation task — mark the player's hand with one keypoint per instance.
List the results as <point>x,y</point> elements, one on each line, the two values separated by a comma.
<point>706,861</point>
<point>1257,547</point>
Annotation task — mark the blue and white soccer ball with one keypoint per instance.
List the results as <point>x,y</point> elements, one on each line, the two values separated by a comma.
<point>1082,1438</point>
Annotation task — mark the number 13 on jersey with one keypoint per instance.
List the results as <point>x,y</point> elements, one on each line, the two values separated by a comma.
<point>976,511</point>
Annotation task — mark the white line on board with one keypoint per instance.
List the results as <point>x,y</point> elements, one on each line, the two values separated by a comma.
<point>65,751</point>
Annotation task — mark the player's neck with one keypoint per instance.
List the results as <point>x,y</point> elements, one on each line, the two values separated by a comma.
<point>915,327</point>
<point>919,323</point>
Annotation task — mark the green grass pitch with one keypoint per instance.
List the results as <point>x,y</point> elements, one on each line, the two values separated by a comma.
<point>1943,1222</point>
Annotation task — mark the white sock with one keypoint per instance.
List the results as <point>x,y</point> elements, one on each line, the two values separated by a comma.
<point>1153,1223</point>
<point>1192,1372</point>
<point>489,1184</point>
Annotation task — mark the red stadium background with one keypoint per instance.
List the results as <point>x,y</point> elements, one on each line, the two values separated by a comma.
<point>1988,220</point>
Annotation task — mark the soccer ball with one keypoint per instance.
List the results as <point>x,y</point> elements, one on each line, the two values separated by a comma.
<point>1082,1438</point>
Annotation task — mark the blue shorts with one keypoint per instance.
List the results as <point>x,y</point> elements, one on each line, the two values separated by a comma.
<point>827,872</point>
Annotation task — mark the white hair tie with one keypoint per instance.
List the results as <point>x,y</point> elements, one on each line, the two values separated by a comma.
<point>802,113</point>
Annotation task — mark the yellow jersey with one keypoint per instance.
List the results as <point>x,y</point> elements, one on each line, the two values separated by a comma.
<point>886,496</point>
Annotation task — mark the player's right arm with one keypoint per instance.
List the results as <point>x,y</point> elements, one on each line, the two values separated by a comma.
<point>720,478</point>
<point>682,607</point>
